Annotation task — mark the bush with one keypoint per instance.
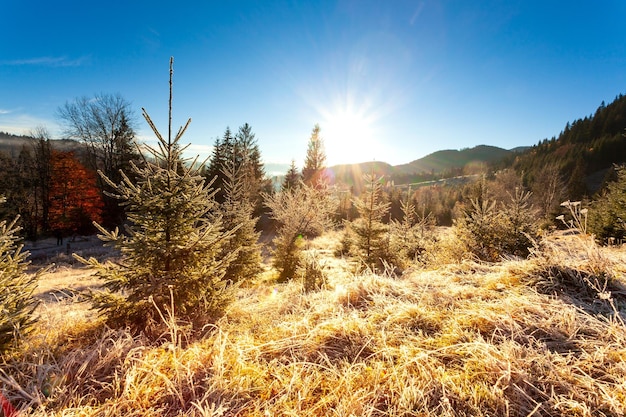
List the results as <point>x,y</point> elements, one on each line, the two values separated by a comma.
<point>300,212</point>
<point>491,232</point>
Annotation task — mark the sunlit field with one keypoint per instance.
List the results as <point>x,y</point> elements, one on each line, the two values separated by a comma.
<point>541,336</point>
<point>381,208</point>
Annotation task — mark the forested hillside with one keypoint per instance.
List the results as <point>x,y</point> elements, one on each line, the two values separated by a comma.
<point>583,152</point>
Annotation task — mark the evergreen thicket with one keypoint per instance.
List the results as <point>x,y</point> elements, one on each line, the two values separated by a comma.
<point>492,229</point>
<point>607,218</point>
<point>240,153</point>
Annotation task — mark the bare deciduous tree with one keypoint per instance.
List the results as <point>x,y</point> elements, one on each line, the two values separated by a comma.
<point>105,124</point>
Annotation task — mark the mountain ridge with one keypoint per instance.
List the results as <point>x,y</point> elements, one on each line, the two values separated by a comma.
<point>439,164</point>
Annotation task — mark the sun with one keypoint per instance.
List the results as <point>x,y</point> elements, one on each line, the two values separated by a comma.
<point>349,136</point>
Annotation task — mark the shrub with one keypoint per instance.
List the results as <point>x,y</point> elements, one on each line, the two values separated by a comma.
<point>490,231</point>
<point>300,212</point>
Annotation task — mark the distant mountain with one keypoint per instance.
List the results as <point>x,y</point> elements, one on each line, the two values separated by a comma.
<point>520,149</point>
<point>446,160</point>
<point>440,164</point>
<point>351,174</point>
<point>583,155</point>
<point>275,169</point>
<point>13,144</point>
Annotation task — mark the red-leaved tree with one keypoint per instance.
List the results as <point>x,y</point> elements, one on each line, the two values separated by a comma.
<point>75,199</point>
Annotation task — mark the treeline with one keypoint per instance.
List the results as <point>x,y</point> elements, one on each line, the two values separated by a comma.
<point>573,165</point>
<point>59,192</point>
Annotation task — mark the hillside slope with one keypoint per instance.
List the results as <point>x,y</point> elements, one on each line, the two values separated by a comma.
<point>453,159</point>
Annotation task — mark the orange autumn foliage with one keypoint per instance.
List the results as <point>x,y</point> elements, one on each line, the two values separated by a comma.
<point>75,199</point>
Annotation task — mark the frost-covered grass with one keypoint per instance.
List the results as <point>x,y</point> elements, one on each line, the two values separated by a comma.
<point>542,336</point>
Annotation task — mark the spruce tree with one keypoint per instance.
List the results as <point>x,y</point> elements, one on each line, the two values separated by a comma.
<point>409,234</point>
<point>368,235</point>
<point>242,150</point>
<point>238,216</point>
<point>248,157</point>
<point>172,250</point>
<point>16,288</point>
<point>223,150</point>
<point>607,219</point>
<point>313,172</point>
<point>292,178</point>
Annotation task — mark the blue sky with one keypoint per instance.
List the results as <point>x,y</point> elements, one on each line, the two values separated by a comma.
<point>386,80</point>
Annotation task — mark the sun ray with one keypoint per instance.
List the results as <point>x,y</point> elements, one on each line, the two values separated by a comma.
<point>349,131</point>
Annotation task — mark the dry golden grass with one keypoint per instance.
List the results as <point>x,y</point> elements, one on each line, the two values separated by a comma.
<point>517,338</point>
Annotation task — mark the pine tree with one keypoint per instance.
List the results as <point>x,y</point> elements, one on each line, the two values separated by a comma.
<point>16,288</point>
<point>313,172</point>
<point>238,216</point>
<point>223,151</point>
<point>292,178</point>
<point>368,235</point>
<point>172,250</point>
<point>248,158</point>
